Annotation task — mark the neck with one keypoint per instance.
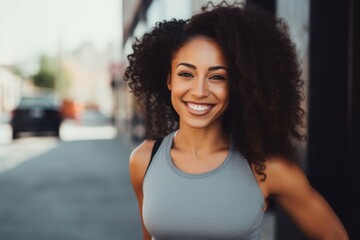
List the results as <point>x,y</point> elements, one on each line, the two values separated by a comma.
<point>194,139</point>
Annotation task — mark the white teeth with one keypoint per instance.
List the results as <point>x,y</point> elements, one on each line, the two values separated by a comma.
<point>197,107</point>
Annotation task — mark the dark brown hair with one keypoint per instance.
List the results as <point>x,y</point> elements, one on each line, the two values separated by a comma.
<point>264,115</point>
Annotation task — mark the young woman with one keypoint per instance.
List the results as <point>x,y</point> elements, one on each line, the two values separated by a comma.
<point>222,91</point>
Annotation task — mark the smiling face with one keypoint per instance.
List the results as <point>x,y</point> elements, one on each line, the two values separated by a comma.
<point>199,83</point>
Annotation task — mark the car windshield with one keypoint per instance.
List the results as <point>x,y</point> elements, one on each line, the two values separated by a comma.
<point>29,102</point>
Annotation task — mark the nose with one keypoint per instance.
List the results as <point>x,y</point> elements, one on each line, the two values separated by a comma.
<point>200,88</point>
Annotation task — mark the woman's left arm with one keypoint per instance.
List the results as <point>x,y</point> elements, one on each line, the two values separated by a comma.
<point>309,210</point>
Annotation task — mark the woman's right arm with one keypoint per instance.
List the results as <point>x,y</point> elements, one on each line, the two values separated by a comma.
<point>139,161</point>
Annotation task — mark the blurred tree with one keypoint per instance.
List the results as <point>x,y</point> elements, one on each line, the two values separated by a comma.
<point>52,74</point>
<point>46,75</point>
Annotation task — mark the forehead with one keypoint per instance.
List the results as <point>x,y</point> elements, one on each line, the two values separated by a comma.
<point>200,51</point>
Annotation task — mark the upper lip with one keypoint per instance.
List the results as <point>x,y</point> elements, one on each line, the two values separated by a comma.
<point>198,103</point>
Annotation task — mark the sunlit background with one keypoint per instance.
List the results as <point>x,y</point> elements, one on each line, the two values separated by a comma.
<point>63,47</point>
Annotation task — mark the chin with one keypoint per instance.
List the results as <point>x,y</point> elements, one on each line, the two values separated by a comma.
<point>200,124</point>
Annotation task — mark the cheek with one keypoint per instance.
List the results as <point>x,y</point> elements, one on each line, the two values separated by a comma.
<point>223,94</point>
<point>176,94</point>
<point>177,86</point>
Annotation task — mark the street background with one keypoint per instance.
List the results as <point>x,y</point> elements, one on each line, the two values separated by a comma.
<point>76,188</point>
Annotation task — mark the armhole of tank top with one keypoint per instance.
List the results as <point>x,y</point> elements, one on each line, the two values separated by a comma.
<point>153,152</point>
<point>263,200</point>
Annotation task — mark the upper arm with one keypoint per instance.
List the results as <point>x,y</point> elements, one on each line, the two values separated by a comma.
<point>309,210</point>
<point>138,163</point>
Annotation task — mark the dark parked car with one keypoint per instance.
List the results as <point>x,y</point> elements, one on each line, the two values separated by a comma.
<point>36,115</point>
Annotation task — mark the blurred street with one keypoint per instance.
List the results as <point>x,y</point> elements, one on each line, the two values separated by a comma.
<point>70,189</point>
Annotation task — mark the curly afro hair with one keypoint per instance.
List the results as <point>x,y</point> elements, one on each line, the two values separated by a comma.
<point>264,114</point>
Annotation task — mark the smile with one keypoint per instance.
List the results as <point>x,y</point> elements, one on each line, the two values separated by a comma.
<point>199,107</point>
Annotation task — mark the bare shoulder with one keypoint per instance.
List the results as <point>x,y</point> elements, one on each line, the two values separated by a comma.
<point>140,156</point>
<point>138,162</point>
<point>284,176</point>
<point>142,151</point>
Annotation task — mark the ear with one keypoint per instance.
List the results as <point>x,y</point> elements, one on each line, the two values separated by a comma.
<point>168,82</point>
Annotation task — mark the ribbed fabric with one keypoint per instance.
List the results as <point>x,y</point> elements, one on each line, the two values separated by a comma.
<point>225,203</point>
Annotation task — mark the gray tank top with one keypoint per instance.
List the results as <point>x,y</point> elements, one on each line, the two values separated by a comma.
<point>225,203</point>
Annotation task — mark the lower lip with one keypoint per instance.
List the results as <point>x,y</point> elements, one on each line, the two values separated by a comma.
<point>197,113</point>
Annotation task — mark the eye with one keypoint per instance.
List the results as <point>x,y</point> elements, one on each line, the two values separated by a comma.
<point>185,74</point>
<point>217,77</point>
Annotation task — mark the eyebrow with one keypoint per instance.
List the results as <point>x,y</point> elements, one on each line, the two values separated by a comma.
<point>194,67</point>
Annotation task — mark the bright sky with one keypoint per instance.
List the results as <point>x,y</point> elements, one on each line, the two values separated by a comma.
<point>31,27</point>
